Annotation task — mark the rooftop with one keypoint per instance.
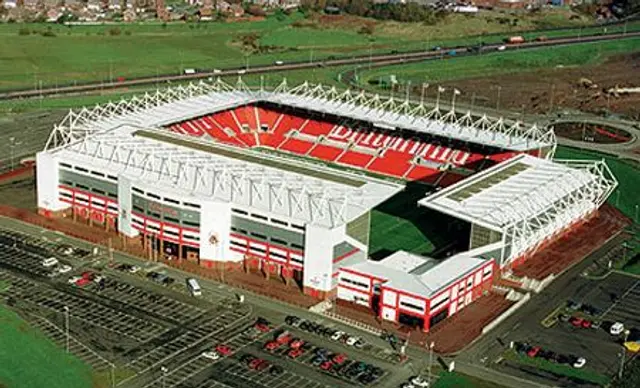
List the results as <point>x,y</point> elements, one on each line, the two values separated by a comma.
<point>517,189</point>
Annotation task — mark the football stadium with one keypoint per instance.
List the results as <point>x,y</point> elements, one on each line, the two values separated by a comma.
<point>286,180</point>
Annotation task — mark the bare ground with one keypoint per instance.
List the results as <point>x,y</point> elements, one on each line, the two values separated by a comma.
<point>546,90</point>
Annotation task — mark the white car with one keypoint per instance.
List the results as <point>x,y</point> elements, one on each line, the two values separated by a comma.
<point>579,362</point>
<point>617,328</point>
<point>64,268</point>
<point>134,269</point>
<point>217,71</point>
<point>49,262</point>
<point>98,279</point>
<point>243,71</point>
<point>279,63</point>
<point>502,48</point>
<point>337,335</point>
<point>74,279</point>
<point>419,381</point>
<point>211,355</point>
<point>407,385</point>
<point>352,340</point>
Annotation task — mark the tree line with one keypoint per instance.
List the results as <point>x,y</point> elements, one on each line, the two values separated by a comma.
<point>410,12</point>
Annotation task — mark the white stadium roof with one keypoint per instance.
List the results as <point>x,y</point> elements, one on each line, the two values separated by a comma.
<point>307,193</point>
<point>181,103</point>
<point>527,198</point>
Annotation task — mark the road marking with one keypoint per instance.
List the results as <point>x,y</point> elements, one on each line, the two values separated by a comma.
<point>614,304</point>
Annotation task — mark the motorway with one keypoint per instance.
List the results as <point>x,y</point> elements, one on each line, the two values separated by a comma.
<point>373,60</point>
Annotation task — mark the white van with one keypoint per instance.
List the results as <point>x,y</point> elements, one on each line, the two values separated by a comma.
<point>49,262</point>
<point>194,287</point>
<point>189,71</point>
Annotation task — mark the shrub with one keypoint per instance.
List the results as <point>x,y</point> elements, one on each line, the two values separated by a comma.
<point>114,31</point>
<point>24,31</point>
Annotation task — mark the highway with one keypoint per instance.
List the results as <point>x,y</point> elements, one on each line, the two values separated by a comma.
<point>373,60</point>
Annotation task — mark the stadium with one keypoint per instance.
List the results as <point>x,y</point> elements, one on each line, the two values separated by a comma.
<point>285,181</point>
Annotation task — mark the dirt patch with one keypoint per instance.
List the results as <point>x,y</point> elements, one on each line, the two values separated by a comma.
<point>548,90</point>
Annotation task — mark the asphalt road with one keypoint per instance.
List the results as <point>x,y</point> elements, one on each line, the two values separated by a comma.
<point>373,60</point>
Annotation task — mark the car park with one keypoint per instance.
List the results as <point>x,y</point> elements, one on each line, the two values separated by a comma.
<point>407,385</point>
<point>295,353</point>
<point>64,268</point>
<point>419,381</point>
<point>352,340</point>
<point>49,262</point>
<point>573,306</point>
<point>337,335</point>
<point>292,320</point>
<point>271,346</point>
<point>276,370</point>
<point>339,358</point>
<point>74,279</point>
<point>326,365</point>
<point>82,282</point>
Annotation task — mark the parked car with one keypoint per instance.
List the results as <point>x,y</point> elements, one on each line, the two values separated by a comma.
<point>419,381</point>
<point>596,325</point>
<point>317,360</point>
<point>271,346</point>
<point>82,282</point>
<point>339,358</point>
<point>211,355</point>
<point>276,370</point>
<point>296,343</point>
<point>574,306</point>
<point>617,328</point>
<point>295,353</point>
<point>533,352</point>
<point>224,350</point>
<point>352,340</point>
<point>64,268</point>
<point>293,320</point>
<point>326,365</point>
<point>576,321</point>
<point>338,335</point>
<point>564,317</point>
<point>502,48</point>
<point>74,279</point>
<point>49,262</point>
<point>580,362</point>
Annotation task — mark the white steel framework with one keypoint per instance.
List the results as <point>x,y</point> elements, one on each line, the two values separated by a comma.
<point>530,206</point>
<point>183,102</point>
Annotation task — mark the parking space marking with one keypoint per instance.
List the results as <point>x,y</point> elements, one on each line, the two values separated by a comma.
<point>614,304</point>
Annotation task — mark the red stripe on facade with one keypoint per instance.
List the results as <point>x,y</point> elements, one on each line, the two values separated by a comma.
<point>348,254</point>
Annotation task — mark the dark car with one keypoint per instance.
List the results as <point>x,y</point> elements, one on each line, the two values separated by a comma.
<point>247,358</point>
<point>317,360</point>
<point>366,378</point>
<point>276,370</point>
<point>292,320</point>
<point>167,281</point>
<point>573,305</point>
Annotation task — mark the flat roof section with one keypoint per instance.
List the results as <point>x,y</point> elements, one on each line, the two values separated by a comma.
<point>481,185</point>
<point>244,156</point>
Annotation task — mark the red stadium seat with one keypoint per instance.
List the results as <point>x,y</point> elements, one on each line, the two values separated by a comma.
<point>296,146</point>
<point>355,159</point>
<point>325,152</point>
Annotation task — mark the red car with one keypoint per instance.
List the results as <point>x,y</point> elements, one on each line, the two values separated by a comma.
<point>586,323</point>
<point>225,350</point>
<point>82,282</point>
<point>326,365</point>
<point>295,353</point>
<point>284,338</point>
<point>271,346</point>
<point>296,343</point>
<point>262,327</point>
<point>89,275</point>
<point>534,351</point>
<point>339,358</point>
<point>258,364</point>
<point>576,321</point>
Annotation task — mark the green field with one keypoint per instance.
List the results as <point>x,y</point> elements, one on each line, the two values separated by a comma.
<point>459,380</point>
<point>28,359</point>
<point>107,52</point>
<point>501,63</point>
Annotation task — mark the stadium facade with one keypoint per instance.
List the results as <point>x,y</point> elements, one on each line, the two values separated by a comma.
<point>224,175</point>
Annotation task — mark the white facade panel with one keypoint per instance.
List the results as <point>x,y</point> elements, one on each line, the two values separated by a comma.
<point>389,298</point>
<point>318,256</point>
<point>411,304</point>
<point>352,296</point>
<point>388,314</point>
<point>47,178</point>
<point>215,226</point>
<point>124,201</point>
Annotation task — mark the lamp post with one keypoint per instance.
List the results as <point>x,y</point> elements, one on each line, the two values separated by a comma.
<point>453,99</point>
<point>498,98</point>
<point>66,326</point>
<point>440,90</point>
<point>12,145</point>
<point>424,91</point>
<point>431,345</point>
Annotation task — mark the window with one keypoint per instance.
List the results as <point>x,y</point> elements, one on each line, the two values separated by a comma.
<point>113,177</point>
<point>261,250</point>
<point>153,195</point>
<point>154,215</point>
<point>296,246</point>
<point>412,306</point>
<point>193,205</point>
<point>97,173</point>
<point>239,211</point>
<point>239,244</point>
<point>171,219</point>
<point>296,260</point>
<point>258,216</point>
<point>279,222</point>
<point>137,221</point>
<point>234,229</point>
<point>68,183</point>
<point>354,282</point>
<point>67,165</point>
<point>189,223</point>
<point>112,195</point>
<point>138,209</point>
<point>441,303</point>
<point>297,226</point>
<point>170,233</point>
<point>81,169</point>
<point>137,190</point>
<point>278,241</point>
<point>96,203</point>
<point>172,201</point>
<point>83,187</point>
<point>113,207</point>
<point>98,191</point>
<point>66,195</point>
<point>276,254</point>
<point>258,235</point>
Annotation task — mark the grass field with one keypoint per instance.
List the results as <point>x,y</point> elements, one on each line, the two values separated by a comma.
<point>459,380</point>
<point>105,52</point>
<point>502,63</point>
<point>28,359</point>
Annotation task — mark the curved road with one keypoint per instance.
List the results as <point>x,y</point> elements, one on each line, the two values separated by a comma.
<point>378,60</point>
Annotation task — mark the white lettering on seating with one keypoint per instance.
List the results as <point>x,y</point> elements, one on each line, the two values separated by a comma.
<point>377,143</point>
<point>444,155</point>
<point>191,130</point>
<point>367,139</point>
<point>460,157</point>
<point>435,153</point>
<point>205,124</point>
<point>423,152</point>
<point>340,133</point>
<point>177,129</point>
<point>415,148</point>
<point>395,143</point>
<point>404,146</point>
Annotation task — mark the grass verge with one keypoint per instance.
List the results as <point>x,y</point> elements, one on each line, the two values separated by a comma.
<point>28,359</point>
